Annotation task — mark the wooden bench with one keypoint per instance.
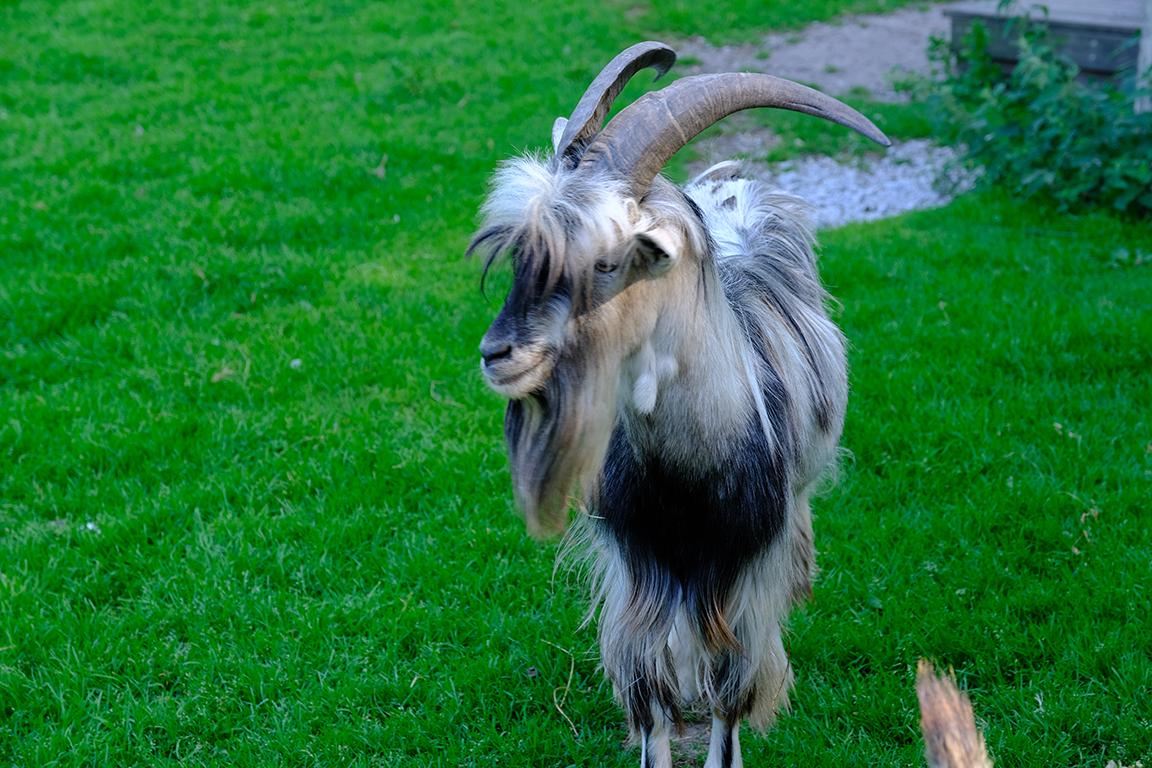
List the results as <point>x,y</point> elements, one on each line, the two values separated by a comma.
<point>1101,36</point>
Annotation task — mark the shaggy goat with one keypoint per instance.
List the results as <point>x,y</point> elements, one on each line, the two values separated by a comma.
<point>667,352</point>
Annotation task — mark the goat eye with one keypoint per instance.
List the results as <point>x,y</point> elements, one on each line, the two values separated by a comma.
<point>605,268</point>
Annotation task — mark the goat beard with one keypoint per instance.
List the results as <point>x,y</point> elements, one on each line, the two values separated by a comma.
<point>557,438</point>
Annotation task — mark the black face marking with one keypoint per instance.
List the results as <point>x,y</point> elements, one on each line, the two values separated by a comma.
<point>539,269</point>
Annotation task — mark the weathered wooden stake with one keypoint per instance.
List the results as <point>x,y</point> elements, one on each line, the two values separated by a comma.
<point>1144,58</point>
<point>951,739</point>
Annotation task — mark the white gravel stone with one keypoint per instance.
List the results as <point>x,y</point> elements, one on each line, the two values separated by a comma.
<point>874,187</point>
<point>901,179</point>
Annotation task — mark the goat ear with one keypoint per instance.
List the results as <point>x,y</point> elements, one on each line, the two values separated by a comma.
<point>558,132</point>
<point>650,257</point>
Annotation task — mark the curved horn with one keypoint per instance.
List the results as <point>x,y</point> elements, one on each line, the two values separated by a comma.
<point>641,139</point>
<point>593,107</point>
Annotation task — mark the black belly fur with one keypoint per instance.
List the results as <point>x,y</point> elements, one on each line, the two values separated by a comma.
<point>698,528</point>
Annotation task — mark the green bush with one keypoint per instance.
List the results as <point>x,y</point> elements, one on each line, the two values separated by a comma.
<point>1037,129</point>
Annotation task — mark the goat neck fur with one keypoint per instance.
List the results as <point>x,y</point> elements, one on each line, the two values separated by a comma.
<point>686,358</point>
<point>591,352</point>
<point>668,357</point>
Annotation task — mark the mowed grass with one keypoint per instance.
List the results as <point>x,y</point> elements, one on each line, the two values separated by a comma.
<point>254,509</point>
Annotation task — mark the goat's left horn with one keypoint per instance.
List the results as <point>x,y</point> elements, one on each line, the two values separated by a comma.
<point>641,139</point>
<point>597,100</point>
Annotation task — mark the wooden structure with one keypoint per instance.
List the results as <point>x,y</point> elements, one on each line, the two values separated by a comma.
<point>1144,61</point>
<point>1101,36</point>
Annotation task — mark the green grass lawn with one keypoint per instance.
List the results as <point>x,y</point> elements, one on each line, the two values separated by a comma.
<point>254,509</point>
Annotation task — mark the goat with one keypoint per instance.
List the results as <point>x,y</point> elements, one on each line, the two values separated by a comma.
<point>667,352</point>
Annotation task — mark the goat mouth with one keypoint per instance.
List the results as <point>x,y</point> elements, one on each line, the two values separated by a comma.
<point>514,380</point>
<point>507,379</point>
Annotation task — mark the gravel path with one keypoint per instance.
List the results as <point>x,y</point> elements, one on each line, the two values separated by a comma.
<point>852,53</point>
<point>900,180</point>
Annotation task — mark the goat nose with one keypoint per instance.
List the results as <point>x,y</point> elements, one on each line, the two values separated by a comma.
<point>494,351</point>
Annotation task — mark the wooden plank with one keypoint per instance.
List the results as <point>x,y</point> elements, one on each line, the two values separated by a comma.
<point>1121,14</point>
<point>1095,51</point>
<point>1098,35</point>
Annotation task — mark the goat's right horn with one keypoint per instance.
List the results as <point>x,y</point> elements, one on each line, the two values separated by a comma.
<point>597,100</point>
<point>642,138</point>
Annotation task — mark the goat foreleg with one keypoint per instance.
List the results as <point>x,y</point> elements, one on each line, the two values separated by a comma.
<point>635,623</point>
<point>724,746</point>
<point>754,680</point>
<point>656,742</point>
